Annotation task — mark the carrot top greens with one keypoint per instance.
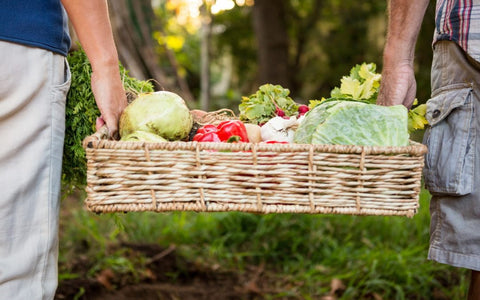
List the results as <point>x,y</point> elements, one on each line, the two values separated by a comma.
<point>81,114</point>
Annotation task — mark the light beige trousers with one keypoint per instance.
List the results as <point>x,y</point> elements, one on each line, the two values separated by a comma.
<point>33,87</point>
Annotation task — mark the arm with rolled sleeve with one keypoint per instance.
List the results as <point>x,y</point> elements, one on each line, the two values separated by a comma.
<point>91,22</point>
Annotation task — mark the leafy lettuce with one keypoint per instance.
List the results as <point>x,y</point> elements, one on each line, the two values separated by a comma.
<point>346,122</point>
<point>362,84</point>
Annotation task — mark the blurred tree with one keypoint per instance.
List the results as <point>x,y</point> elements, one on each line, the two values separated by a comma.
<point>177,38</point>
<point>346,34</point>
<point>133,30</point>
<point>133,25</point>
<point>304,45</point>
<point>205,36</point>
<point>308,45</point>
<point>238,40</point>
<point>272,41</point>
<point>424,55</point>
<point>302,17</point>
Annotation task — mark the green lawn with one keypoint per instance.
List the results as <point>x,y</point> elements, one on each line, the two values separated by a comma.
<point>369,257</point>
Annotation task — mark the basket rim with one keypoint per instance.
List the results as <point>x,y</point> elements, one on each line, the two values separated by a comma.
<point>98,141</point>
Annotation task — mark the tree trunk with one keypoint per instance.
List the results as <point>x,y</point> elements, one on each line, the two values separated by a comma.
<point>305,26</point>
<point>132,26</point>
<point>272,41</point>
<point>205,91</point>
<point>133,40</point>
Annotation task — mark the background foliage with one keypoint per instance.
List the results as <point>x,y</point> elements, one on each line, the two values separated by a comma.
<point>325,39</point>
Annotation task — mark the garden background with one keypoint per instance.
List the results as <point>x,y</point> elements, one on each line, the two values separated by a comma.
<point>212,53</point>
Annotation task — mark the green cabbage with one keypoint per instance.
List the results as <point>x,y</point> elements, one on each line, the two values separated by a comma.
<point>354,123</point>
<point>162,113</point>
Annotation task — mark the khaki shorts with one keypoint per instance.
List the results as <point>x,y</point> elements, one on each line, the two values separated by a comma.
<point>33,87</point>
<point>452,165</point>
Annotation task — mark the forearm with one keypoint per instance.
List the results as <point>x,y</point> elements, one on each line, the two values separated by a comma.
<point>398,79</point>
<point>404,22</point>
<point>92,25</point>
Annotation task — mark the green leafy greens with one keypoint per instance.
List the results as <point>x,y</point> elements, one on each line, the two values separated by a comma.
<point>416,117</point>
<point>260,107</point>
<point>351,117</point>
<point>363,85</point>
<point>81,114</point>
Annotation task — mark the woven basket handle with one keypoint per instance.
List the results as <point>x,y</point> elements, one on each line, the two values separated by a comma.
<point>101,134</point>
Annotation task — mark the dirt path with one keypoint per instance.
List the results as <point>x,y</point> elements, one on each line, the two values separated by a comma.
<point>167,276</point>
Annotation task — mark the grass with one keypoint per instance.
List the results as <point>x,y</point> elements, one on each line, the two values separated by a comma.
<point>372,256</point>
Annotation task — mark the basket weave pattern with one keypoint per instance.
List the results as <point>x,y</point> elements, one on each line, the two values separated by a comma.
<point>256,178</point>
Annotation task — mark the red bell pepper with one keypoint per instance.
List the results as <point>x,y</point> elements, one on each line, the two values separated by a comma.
<point>226,131</point>
<point>210,136</point>
<point>207,128</point>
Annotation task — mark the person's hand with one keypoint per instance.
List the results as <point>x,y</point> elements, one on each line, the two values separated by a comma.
<point>110,97</point>
<point>398,85</point>
<point>91,22</point>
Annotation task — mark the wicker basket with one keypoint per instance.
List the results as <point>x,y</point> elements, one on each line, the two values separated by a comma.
<point>256,178</point>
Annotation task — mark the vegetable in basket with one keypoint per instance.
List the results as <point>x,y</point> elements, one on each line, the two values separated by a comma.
<point>351,117</point>
<point>280,129</point>
<point>269,101</point>
<point>354,123</point>
<point>207,133</point>
<point>143,136</point>
<point>226,131</point>
<point>162,113</point>
<point>254,133</point>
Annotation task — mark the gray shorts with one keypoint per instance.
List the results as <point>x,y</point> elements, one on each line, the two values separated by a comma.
<point>452,166</point>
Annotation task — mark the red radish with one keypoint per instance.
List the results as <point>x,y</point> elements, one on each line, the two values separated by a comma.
<point>302,109</point>
<point>279,112</point>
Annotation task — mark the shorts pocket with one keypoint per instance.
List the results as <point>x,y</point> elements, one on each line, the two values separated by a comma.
<point>449,163</point>
<point>61,88</point>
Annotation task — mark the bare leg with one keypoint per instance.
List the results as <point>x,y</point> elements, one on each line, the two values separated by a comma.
<point>474,289</point>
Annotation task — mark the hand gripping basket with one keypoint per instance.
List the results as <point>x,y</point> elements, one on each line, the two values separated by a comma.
<point>255,178</point>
